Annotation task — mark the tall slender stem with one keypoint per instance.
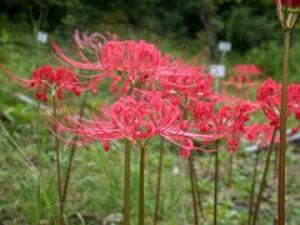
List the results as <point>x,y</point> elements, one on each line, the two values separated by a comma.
<point>127,184</point>
<point>142,187</point>
<point>199,197</point>
<point>57,160</point>
<point>282,145</point>
<point>230,170</point>
<point>193,189</point>
<point>252,191</point>
<point>216,184</point>
<point>275,164</point>
<point>191,172</point>
<point>263,180</point>
<point>71,157</point>
<point>159,173</point>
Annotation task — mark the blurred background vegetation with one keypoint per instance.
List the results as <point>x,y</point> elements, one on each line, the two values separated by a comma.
<point>180,26</point>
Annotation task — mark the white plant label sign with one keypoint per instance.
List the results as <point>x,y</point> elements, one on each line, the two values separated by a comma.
<point>217,71</point>
<point>42,37</point>
<point>224,46</point>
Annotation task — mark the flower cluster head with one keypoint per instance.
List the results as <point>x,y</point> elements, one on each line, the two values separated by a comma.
<point>268,95</point>
<point>45,79</point>
<point>61,79</point>
<point>243,77</point>
<point>185,80</point>
<point>248,69</point>
<point>135,64</point>
<point>224,117</point>
<point>127,63</point>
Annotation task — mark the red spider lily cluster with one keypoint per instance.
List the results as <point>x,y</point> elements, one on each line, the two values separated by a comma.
<point>47,78</point>
<point>269,95</point>
<point>243,77</point>
<point>157,95</point>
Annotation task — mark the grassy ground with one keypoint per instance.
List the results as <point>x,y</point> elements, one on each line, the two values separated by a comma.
<point>27,169</point>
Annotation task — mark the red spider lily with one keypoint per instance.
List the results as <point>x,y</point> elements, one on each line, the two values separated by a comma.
<point>239,82</point>
<point>186,80</point>
<point>47,77</point>
<point>293,102</point>
<point>242,75</point>
<point>233,119</point>
<point>127,63</point>
<point>230,119</point>
<point>137,117</point>
<point>253,132</point>
<point>260,134</point>
<point>268,95</point>
<point>247,69</point>
<point>136,64</point>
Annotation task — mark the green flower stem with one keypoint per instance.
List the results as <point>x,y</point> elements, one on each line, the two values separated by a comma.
<point>282,145</point>
<point>57,162</point>
<point>71,156</point>
<point>216,184</point>
<point>199,197</point>
<point>192,174</point>
<point>230,170</point>
<point>263,180</point>
<point>252,191</point>
<point>142,187</point>
<point>158,187</point>
<point>127,184</point>
<point>193,188</point>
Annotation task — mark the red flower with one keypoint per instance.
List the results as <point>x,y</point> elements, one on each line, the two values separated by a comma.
<point>138,117</point>
<point>268,95</point>
<point>136,64</point>
<point>46,78</point>
<point>128,63</point>
<point>226,118</point>
<point>247,69</point>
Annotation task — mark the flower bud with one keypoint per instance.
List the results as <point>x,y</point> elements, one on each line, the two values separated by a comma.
<point>288,4</point>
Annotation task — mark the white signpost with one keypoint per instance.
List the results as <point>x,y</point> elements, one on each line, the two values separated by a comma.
<point>42,37</point>
<point>224,46</point>
<point>217,71</point>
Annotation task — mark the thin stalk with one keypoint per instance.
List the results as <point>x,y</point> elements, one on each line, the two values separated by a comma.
<point>192,175</point>
<point>127,184</point>
<point>142,187</point>
<point>193,189</point>
<point>216,184</point>
<point>263,180</point>
<point>275,164</point>
<point>57,161</point>
<point>71,157</point>
<point>282,145</point>
<point>275,176</point>
<point>159,170</point>
<point>252,191</point>
<point>230,170</point>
